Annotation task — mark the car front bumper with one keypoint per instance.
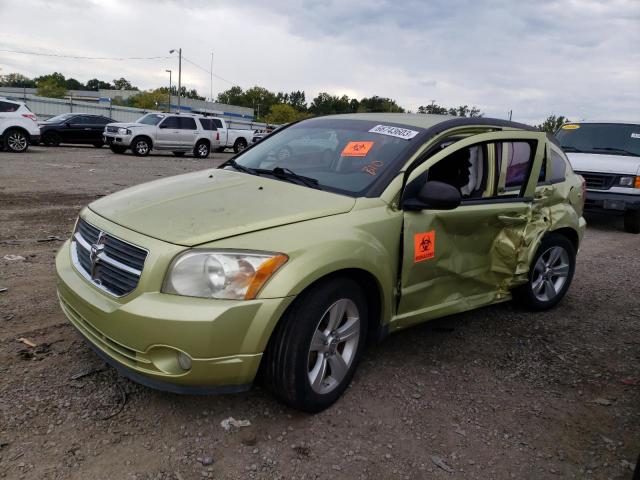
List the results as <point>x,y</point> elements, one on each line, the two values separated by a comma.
<point>609,201</point>
<point>114,139</point>
<point>142,337</point>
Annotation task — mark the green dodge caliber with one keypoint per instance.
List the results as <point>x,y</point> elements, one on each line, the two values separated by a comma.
<point>281,263</point>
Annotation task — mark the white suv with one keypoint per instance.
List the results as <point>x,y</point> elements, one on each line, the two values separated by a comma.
<point>18,126</point>
<point>176,132</point>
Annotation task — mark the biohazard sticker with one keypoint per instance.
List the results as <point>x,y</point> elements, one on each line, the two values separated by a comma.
<point>424,246</point>
<point>356,149</point>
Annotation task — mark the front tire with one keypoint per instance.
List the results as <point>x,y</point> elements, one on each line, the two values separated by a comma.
<point>201,150</point>
<point>632,221</point>
<point>240,145</point>
<point>51,139</point>
<point>140,147</point>
<point>16,141</point>
<point>314,351</point>
<point>550,274</point>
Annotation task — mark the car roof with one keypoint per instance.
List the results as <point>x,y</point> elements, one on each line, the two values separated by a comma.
<point>430,121</point>
<point>621,122</point>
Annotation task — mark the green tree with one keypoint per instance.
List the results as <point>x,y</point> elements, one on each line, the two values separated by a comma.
<point>55,76</point>
<point>150,99</point>
<point>51,88</point>
<point>232,96</point>
<point>284,113</point>
<point>95,84</point>
<point>123,84</point>
<point>16,80</point>
<point>379,104</point>
<point>461,111</point>
<point>73,84</point>
<point>552,123</point>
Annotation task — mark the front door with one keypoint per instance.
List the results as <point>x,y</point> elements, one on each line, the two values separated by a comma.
<point>168,136</point>
<point>459,259</point>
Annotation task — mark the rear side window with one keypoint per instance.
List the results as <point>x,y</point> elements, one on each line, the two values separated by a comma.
<point>8,107</point>
<point>207,124</point>
<point>216,123</point>
<point>187,123</point>
<point>518,157</point>
<point>171,122</point>
<point>558,167</point>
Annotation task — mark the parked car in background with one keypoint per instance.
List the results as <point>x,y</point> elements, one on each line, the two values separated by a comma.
<point>75,128</point>
<point>235,138</point>
<point>607,155</point>
<point>284,268</point>
<point>18,126</point>
<point>175,132</point>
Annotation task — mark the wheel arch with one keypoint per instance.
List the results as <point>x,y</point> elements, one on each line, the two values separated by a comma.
<point>17,127</point>
<point>570,234</point>
<point>142,135</point>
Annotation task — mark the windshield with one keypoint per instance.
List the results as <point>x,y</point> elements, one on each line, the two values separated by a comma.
<point>60,118</point>
<point>150,119</point>
<point>604,138</point>
<point>346,156</point>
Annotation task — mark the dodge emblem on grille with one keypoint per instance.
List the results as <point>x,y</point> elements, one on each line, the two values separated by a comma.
<point>96,250</point>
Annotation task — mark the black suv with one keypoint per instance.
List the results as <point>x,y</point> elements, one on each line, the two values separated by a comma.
<point>74,128</point>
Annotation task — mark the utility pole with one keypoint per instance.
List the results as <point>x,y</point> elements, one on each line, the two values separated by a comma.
<point>179,74</point>
<point>510,114</point>
<point>211,80</point>
<point>169,89</point>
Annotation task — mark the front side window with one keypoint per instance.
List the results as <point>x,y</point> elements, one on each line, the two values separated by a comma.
<point>466,169</point>
<point>171,122</point>
<point>343,155</point>
<point>151,119</point>
<point>603,138</point>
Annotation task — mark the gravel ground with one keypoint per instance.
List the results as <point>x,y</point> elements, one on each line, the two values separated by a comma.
<point>494,393</point>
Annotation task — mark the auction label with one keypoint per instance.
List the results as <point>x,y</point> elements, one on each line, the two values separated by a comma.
<point>570,126</point>
<point>403,133</point>
<point>635,135</point>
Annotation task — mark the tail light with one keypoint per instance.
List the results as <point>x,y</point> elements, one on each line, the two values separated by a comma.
<point>30,116</point>
<point>217,135</point>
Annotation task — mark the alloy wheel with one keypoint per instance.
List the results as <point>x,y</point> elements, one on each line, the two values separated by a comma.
<point>550,273</point>
<point>142,147</point>
<point>17,141</point>
<point>333,346</point>
<point>203,150</point>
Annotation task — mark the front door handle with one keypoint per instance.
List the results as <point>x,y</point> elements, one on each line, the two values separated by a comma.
<point>512,220</point>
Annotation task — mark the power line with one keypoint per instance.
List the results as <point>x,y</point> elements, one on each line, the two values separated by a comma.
<point>77,57</point>
<point>208,71</point>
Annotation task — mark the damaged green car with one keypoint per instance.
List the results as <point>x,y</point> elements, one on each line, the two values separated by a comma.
<point>283,262</point>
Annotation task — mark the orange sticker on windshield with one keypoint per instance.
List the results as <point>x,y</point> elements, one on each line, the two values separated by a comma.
<point>424,246</point>
<point>357,149</point>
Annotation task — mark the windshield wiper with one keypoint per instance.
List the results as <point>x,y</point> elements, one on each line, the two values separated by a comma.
<point>621,150</point>
<point>241,168</point>
<point>288,174</point>
<point>572,149</point>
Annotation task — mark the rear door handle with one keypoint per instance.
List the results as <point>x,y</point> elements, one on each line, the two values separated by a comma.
<point>509,220</point>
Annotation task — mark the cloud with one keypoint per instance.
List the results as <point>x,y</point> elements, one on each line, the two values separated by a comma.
<point>576,57</point>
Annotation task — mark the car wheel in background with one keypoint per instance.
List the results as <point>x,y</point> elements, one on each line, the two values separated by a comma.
<point>98,144</point>
<point>201,150</point>
<point>117,149</point>
<point>178,154</point>
<point>51,139</point>
<point>140,147</point>
<point>550,274</point>
<point>632,221</point>
<point>240,145</point>
<point>315,349</point>
<point>16,141</point>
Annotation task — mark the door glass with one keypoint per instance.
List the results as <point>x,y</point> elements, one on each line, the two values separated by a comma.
<point>217,123</point>
<point>466,169</point>
<point>187,123</point>
<point>171,122</point>
<point>517,157</point>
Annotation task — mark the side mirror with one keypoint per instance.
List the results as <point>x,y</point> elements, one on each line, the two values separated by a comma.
<point>434,195</point>
<point>162,126</point>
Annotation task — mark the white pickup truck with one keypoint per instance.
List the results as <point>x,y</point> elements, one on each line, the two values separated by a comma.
<point>607,155</point>
<point>235,138</point>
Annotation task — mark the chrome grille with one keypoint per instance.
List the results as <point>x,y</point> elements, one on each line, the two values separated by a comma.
<point>111,129</point>
<point>108,262</point>
<point>598,181</point>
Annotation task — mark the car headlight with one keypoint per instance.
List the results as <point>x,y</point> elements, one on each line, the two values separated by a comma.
<point>629,181</point>
<point>124,131</point>
<point>221,274</point>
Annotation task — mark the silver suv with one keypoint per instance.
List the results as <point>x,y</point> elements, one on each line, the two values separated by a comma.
<point>176,132</point>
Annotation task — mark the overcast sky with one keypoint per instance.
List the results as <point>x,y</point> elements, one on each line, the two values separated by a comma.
<point>578,58</point>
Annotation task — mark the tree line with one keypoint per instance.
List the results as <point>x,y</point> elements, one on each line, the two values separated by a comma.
<point>270,107</point>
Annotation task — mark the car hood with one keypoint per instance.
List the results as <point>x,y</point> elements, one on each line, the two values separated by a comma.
<point>604,163</point>
<point>127,124</point>
<point>210,205</point>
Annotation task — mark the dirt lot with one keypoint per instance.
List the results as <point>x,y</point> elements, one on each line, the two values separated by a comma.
<point>494,393</point>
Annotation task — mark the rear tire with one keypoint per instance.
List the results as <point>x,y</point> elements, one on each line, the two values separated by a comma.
<point>632,221</point>
<point>118,149</point>
<point>178,154</point>
<point>141,146</point>
<point>240,145</point>
<point>550,273</point>
<point>51,139</point>
<point>201,150</point>
<point>315,348</point>
<point>16,141</point>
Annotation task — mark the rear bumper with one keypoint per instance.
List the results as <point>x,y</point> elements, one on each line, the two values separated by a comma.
<point>607,201</point>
